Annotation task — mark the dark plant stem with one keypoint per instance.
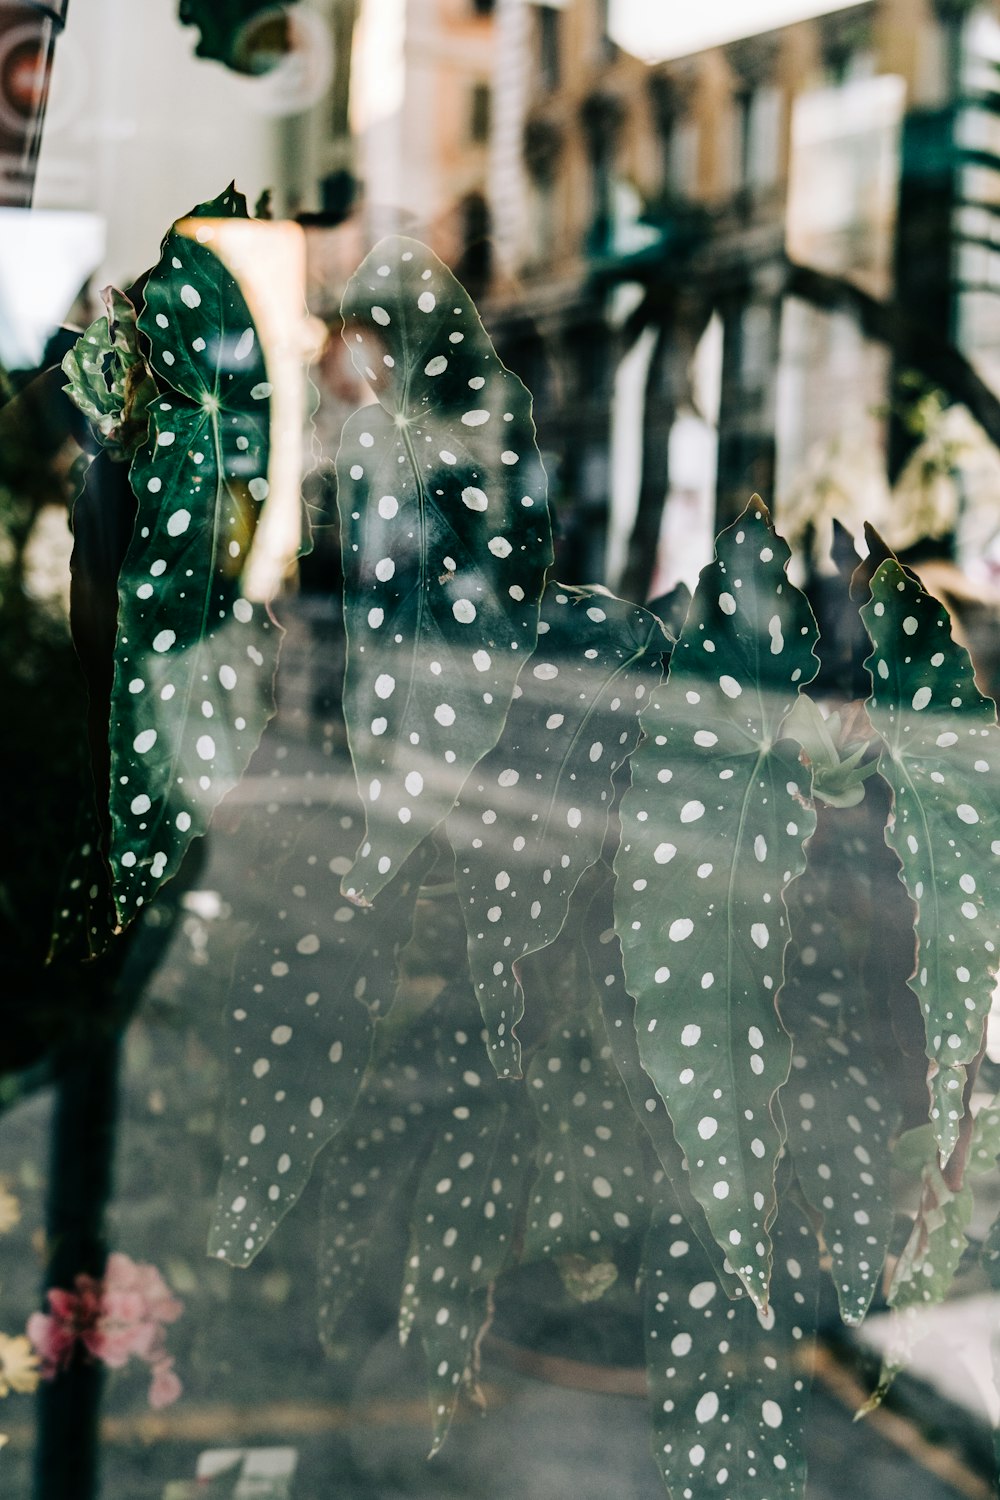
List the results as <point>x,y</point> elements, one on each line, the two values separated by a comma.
<point>83,1140</point>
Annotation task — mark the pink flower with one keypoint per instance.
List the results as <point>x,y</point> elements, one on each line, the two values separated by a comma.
<point>115,1319</point>
<point>165,1386</point>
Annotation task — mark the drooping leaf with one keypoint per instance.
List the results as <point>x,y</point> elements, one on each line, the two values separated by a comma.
<point>533,816</point>
<point>301,1027</point>
<point>464,1218</point>
<point>671,609</point>
<point>990,1254</point>
<point>984,1146</point>
<point>728,1397</point>
<point>838,1105</point>
<point>84,919</point>
<point>108,379</point>
<point>369,1173</point>
<point>195,659</point>
<point>589,1195</point>
<point>618,1009</point>
<point>941,759</point>
<point>927,1266</point>
<point>713,828</point>
<point>446,538</point>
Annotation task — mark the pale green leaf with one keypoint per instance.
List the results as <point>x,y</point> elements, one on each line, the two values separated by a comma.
<point>108,379</point>
<point>370,1170</point>
<point>713,829</point>
<point>533,816</point>
<point>446,538</point>
<point>300,1024</point>
<point>465,1215</point>
<point>728,1395</point>
<point>589,1197</point>
<point>838,1105</point>
<point>940,758</point>
<point>930,1259</point>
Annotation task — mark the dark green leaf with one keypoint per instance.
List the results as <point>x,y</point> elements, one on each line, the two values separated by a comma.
<point>618,1007</point>
<point>728,1395</point>
<point>533,816</point>
<point>941,759</point>
<point>713,828</point>
<point>446,538</point>
<point>838,1105</point>
<point>195,659</point>
<point>223,26</point>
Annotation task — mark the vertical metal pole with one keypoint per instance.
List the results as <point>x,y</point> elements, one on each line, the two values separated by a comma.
<point>67,1457</point>
<point>28,32</point>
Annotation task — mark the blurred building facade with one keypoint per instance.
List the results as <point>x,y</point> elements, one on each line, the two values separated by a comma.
<point>424,165</point>
<point>709,269</point>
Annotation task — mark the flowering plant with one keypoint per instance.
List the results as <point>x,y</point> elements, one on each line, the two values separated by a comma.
<point>115,1318</point>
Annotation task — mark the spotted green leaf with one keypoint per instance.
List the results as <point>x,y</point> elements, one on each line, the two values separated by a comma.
<point>464,1219</point>
<point>533,816</point>
<point>984,1146</point>
<point>927,1266</point>
<point>990,1254</point>
<point>941,759</point>
<point>618,1009</point>
<point>838,1104</point>
<point>195,659</point>
<point>446,538</point>
<point>589,1197</point>
<point>728,1397</point>
<point>369,1172</point>
<point>83,920</point>
<point>107,377</point>
<point>300,1039</point>
<point>713,828</point>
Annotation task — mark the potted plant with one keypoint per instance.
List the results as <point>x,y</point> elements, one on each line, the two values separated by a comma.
<point>605,985</point>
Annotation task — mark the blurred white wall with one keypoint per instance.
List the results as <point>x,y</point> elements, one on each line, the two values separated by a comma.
<point>139,130</point>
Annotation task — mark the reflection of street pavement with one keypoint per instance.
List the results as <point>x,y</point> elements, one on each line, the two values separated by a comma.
<point>246,1348</point>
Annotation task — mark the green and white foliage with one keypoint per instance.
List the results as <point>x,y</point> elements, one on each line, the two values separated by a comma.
<point>618,1009</point>
<point>728,1397</point>
<point>195,659</point>
<point>83,921</point>
<point>589,1197</point>
<point>446,539</point>
<point>838,1105</point>
<point>930,1258</point>
<point>465,1215</point>
<point>369,1171</point>
<point>713,829</point>
<point>533,816</point>
<point>108,379</point>
<point>301,1023</point>
<point>940,756</point>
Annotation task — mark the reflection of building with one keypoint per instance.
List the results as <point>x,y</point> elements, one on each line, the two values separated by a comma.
<point>646,214</point>
<point>424,162</point>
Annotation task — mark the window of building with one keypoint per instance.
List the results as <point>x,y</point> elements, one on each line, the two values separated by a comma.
<point>549,25</point>
<point>681,146</point>
<point>758,121</point>
<point>480,100</point>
